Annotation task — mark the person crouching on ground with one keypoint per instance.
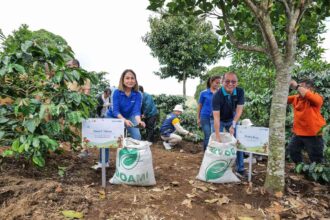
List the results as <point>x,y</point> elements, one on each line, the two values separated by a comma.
<point>307,122</point>
<point>126,105</point>
<point>170,125</point>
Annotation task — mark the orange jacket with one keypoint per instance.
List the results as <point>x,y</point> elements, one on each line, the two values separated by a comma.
<point>307,119</point>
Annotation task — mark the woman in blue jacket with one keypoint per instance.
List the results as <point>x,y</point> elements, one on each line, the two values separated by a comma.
<point>126,105</point>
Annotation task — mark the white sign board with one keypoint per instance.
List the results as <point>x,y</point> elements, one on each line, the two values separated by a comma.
<point>103,132</point>
<point>253,139</point>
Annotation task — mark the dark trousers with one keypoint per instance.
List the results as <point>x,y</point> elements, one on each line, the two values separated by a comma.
<point>312,144</point>
<point>150,127</point>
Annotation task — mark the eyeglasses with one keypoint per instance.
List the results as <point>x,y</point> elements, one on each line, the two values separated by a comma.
<point>230,81</point>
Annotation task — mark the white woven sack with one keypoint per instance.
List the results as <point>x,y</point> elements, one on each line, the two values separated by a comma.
<point>134,164</point>
<point>218,160</point>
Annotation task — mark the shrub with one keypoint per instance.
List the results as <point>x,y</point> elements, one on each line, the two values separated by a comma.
<point>42,111</point>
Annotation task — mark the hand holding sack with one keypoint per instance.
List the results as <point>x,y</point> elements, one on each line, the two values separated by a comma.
<point>218,160</point>
<point>134,164</point>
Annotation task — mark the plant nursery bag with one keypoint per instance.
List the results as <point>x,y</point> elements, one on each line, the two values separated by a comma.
<point>134,164</point>
<point>218,160</point>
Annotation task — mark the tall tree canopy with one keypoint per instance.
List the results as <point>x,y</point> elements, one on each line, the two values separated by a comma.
<point>183,46</point>
<point>281,30</point>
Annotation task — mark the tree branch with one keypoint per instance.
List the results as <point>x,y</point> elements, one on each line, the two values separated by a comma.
<point>253,7</point>
<point>296,16</point>
<point>287,8</point>
<point>303,7</point>
<point>233,39</point>
<point>266,27</point>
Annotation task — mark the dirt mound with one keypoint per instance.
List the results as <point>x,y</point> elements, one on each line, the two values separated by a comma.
<point>27,192</point>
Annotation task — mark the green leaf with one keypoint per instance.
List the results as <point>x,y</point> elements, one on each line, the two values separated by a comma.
<point>77,98</point>
<point>315,176</point>
<point>312,167</point>
<point>76,75</point>
<point>10,68</point>
<point>222,24</point>
<point>61,171</point>
<point>15,145</point>
<point>3,120</point>
<point>31,125</point>
<point>325,177</point>
<point>46,51</point>
<point>303,38</point>
<point>26,45</point>
<point>72,214</point>
<point>7,153</point>
<point>52,144</point>
<point>2,134</point>
<point>36,142</point>
<point>23,147</point>
<point>305,167</point>
<point>58,77</point>
<point>19,68</point>
<point>75,117</point>
<point>42,111</point>
<point>2,71</point>
<point>299,167</point>
<point>38,160</point>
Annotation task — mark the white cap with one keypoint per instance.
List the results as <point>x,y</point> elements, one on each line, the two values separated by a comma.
<point>246,122</point>
<point>178,108</point>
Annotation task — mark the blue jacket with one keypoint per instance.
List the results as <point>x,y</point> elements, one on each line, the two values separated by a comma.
<point>149,108</point>
<point>127,106</point>
<point>167,127</point>
<point>205,99</point>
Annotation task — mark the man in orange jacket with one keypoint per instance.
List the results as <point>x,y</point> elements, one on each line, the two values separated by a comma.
<point>307,122</point>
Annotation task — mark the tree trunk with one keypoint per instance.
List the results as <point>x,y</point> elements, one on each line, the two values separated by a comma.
<point>276,155</point>
<point>184,84</point>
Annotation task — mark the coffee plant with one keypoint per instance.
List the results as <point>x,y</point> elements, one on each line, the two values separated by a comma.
<point>40,110</point>
<point>189,122</point>
<point>166,103</point>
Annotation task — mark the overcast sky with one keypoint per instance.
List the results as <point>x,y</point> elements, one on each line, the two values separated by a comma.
<point>104,34</point>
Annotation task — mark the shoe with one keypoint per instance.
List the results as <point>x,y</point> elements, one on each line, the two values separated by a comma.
<point>242,174</point>
<point>167,145</point>
<point>84,154</point>
<point>260,158</point>
<point>247,160</point>
<point>99,165</point>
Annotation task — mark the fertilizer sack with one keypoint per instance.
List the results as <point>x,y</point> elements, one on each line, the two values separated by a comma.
<point>134,164</point>
<point>218,160</point>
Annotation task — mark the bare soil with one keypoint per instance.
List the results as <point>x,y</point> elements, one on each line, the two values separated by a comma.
<point>27,192</point>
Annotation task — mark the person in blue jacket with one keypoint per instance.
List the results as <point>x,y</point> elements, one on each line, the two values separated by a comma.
<point>126,105</point>
<point>170,126</point>
<point>204,108</point>
<point>149,114</point>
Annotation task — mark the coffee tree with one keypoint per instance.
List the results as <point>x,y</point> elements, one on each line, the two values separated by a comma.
<point>39,110</point>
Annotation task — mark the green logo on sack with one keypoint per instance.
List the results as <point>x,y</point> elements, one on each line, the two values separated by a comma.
<point>216,170</point>
<point>128,158</point>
